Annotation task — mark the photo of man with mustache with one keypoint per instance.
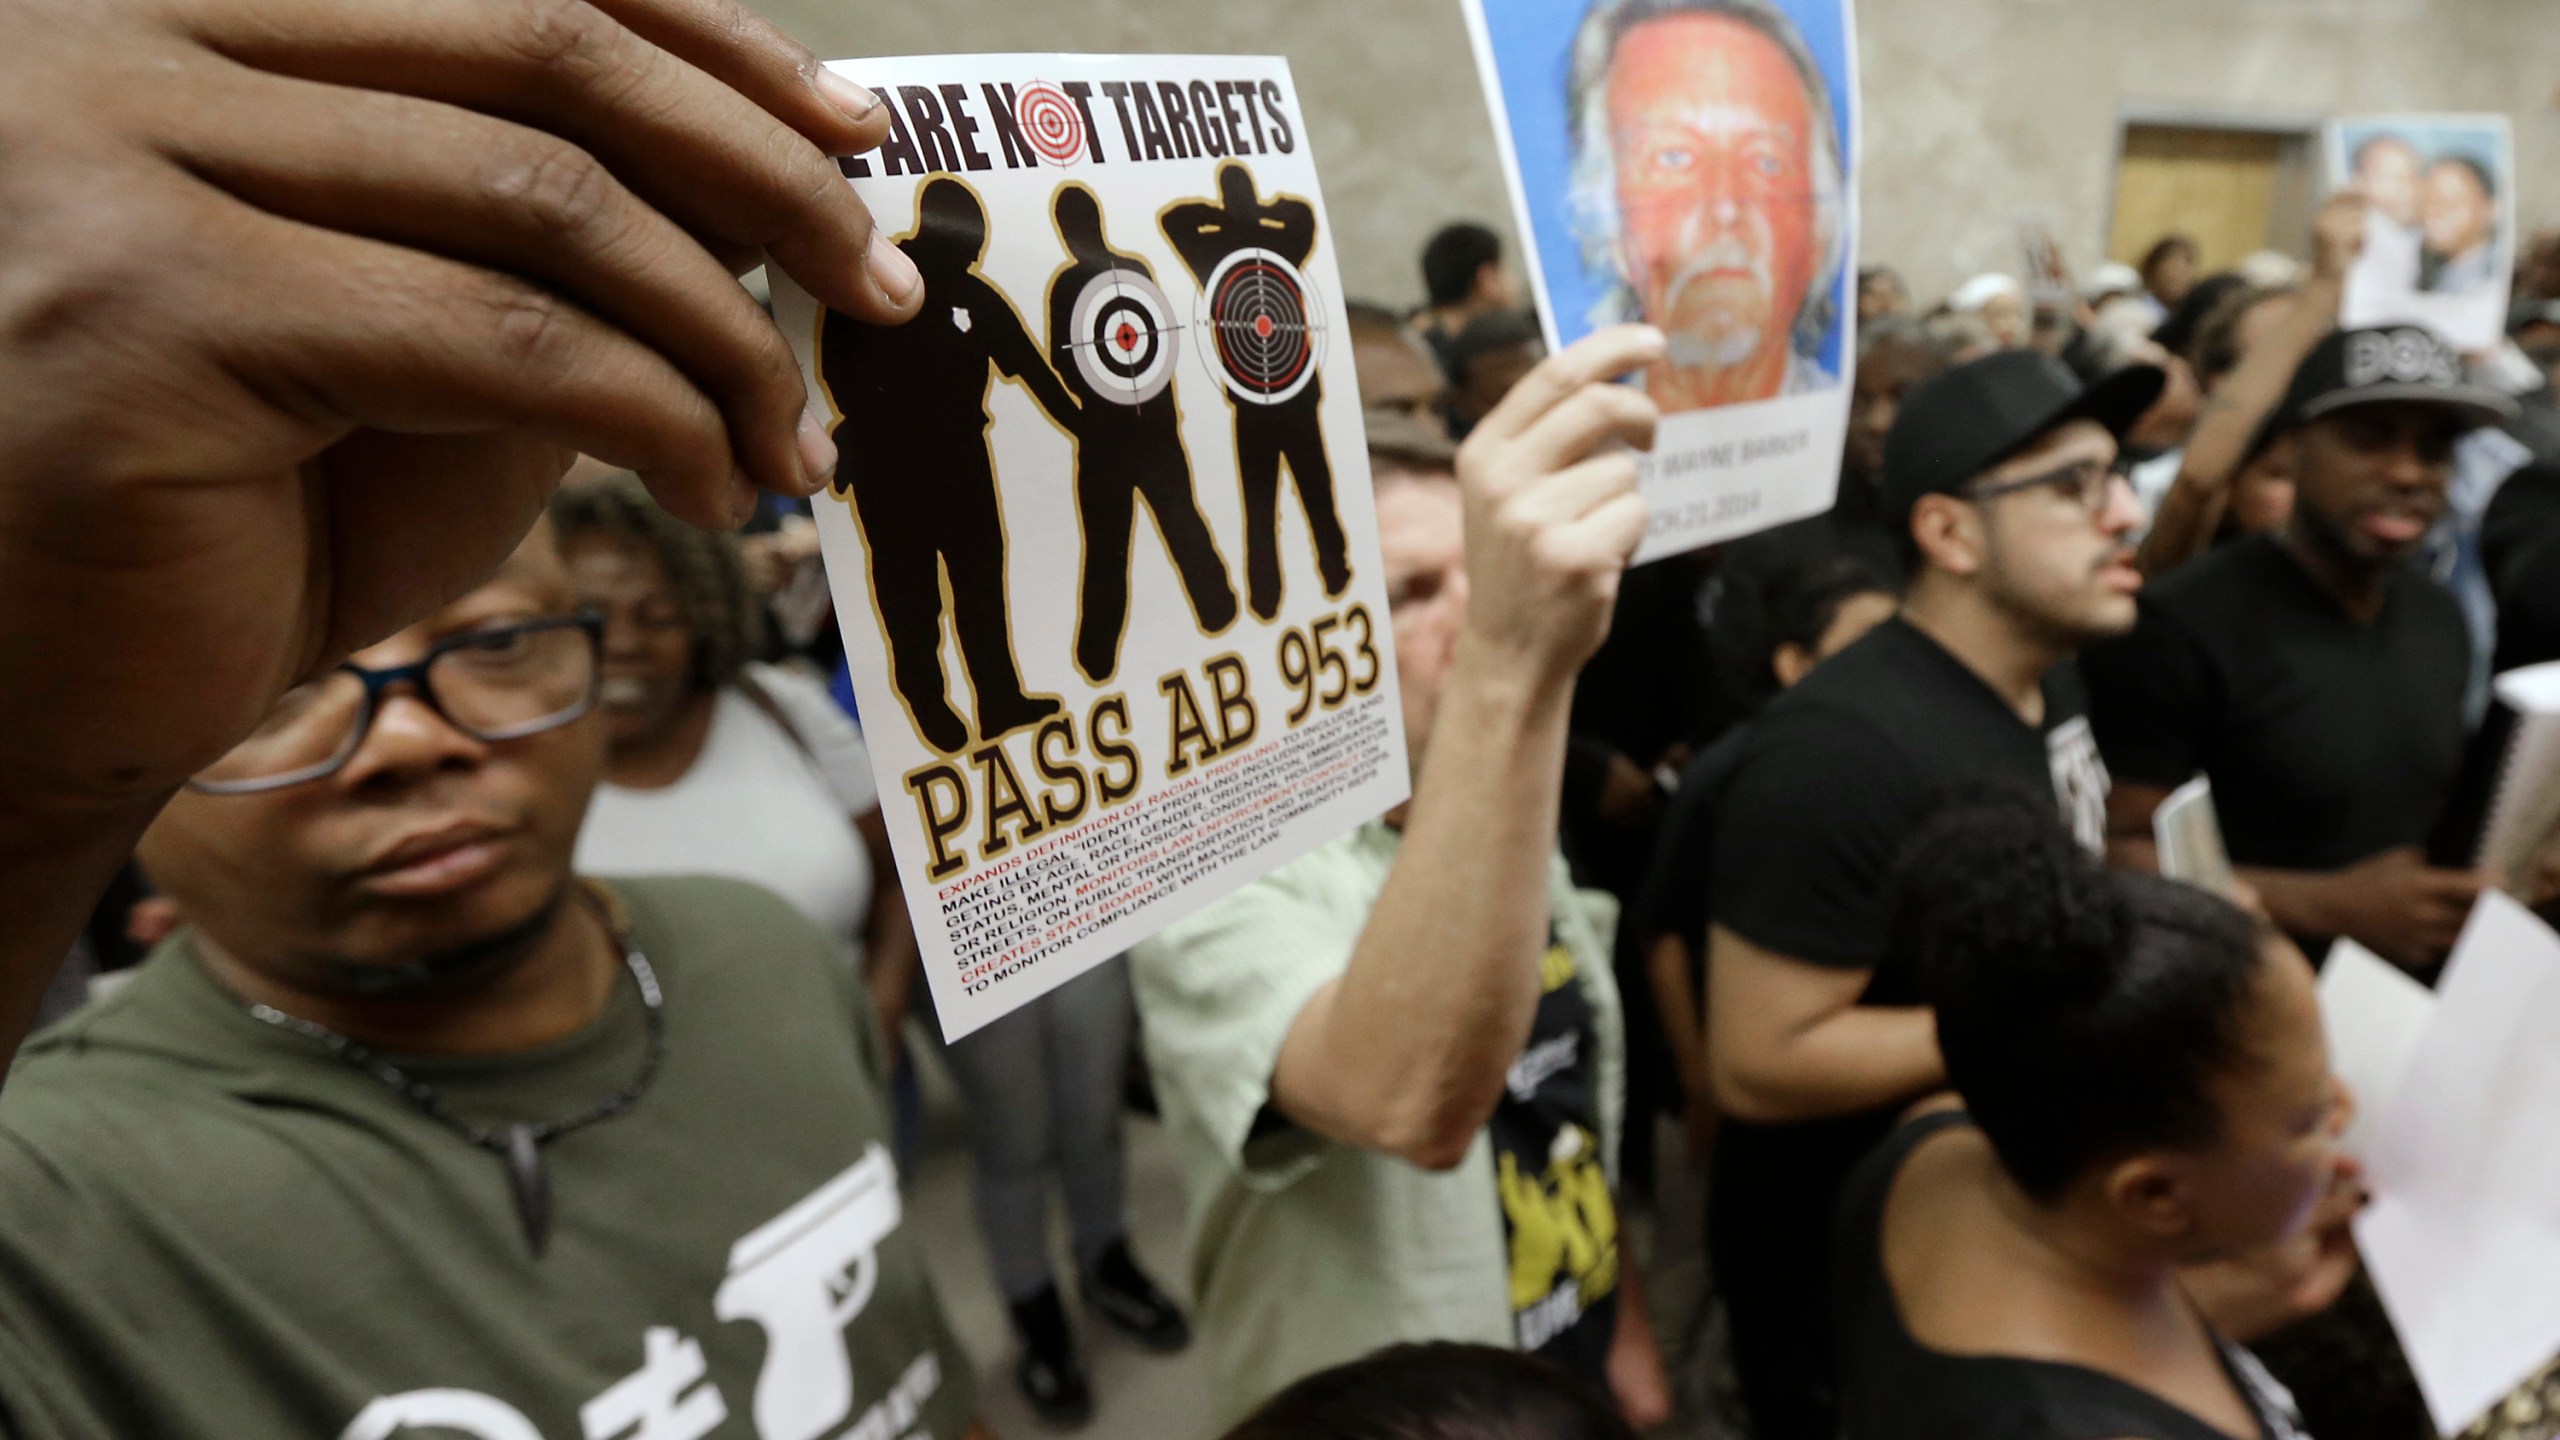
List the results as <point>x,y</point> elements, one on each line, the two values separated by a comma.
<point>1707,183</point>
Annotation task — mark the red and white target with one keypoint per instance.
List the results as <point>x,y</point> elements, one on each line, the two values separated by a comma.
<point>1265,330</point>
<point>1125,342</point>
<point>1051,122</point>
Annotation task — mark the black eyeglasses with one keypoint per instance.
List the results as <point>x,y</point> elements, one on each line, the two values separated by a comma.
<point>2087,483</point>
<point>502,683</point>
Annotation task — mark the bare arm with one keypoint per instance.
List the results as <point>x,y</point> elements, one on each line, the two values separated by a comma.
<point>1788,1041</point>
<point>1677,1002</point>
<point>2192,511</point>
<point>889,958</point>
<point>1406,1053</point>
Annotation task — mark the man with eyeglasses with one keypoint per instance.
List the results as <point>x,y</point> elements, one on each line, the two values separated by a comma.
<point>1999,484</point>
<point>412,1132</point>
<point>2313,673</point>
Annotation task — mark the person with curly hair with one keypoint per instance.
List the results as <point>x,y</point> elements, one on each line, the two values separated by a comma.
<point>720,764</point>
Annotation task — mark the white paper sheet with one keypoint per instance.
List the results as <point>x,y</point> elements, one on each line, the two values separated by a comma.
<point>2375,1015</point>
<point>2188,831</point>
<point>2527,804</point>
<point>2463,1236</point>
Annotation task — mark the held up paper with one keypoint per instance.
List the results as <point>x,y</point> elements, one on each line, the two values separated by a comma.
<point>1101,537</point>
<point>1699,172</point>
<point>2189,833</point>
<point>2526,809</point>
<point>2439,240</point>
<point>2375,1016</point>
<point>2463,1236</point>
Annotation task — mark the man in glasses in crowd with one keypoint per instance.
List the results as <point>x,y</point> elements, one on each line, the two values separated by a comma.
<point>412,1132</point>
<point>1999,484</point>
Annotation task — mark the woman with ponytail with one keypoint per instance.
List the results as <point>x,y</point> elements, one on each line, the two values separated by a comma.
<point>2147,1100</point>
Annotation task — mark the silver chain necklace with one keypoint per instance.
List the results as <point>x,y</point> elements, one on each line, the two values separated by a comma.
<point>520,1145</point>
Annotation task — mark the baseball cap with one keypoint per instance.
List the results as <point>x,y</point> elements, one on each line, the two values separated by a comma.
<point>1956,425</point>
<point>2406,363</point>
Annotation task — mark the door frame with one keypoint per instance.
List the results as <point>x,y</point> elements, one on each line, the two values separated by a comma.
<point>2300,183</point>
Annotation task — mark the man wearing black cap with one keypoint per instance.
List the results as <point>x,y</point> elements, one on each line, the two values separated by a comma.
<point>2313,674</point>
<point>1999,485</point>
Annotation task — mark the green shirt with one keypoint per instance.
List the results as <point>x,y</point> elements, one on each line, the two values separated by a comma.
<point>1306,1253</point>
<point>213,1227</point>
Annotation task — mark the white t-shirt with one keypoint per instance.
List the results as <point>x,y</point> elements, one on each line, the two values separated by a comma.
<point>754,807</point>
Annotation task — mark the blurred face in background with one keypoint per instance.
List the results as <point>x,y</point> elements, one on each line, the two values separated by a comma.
<point>648,643</point>
<point>1713,139</point>
<point>1880,294</point>
<point>2006,316</point>
<point>1396,375</point>
<point>2172,275</point>
<point>1886,373</point>
<point>2455,211</point>
<point>2387,168</point>
<point>1422,541</point>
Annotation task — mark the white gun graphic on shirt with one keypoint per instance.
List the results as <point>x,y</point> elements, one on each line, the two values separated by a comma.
<point>804,1276</point>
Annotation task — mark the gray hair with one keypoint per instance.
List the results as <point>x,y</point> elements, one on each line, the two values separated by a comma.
<point>1593,186</point>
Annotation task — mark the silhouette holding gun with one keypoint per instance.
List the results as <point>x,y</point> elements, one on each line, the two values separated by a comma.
<point>804,1276</point>
<point>914,438</point>
<point>1129,445</point>
<point>1263,330</point>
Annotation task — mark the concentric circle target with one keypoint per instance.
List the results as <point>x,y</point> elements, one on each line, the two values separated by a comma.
<point>1265,327</point>
<point>1051,122</point>
<point>1124,340</point>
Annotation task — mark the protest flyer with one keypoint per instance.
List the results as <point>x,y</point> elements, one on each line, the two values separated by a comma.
<point>1101,536</point>
<point>2463,1235</point>
<point>1696,170</point>
<point>2440,233</point>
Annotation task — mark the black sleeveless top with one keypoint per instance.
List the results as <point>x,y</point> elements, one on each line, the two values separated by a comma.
<point>1895,1388</point>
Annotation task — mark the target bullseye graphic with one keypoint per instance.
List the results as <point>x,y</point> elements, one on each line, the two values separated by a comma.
<point>1124,340</point>
<point>1051,122</point>
<point>1266,329</point>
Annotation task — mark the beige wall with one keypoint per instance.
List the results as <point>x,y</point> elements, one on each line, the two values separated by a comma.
<point>1976,110</point>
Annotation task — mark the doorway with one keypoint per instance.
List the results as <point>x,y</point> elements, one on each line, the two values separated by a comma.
<point>2235,189</point>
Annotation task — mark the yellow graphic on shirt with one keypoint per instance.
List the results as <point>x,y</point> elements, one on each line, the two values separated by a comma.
<point>1563,1225</point>
<point>1554,969</point>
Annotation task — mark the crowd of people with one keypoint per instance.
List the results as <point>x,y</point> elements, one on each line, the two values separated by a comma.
<point>492,1007</point>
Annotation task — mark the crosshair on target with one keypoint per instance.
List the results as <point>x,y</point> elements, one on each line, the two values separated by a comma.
<point>1051,122</point>
<point>1264,325</point>
<point>1124,340</point>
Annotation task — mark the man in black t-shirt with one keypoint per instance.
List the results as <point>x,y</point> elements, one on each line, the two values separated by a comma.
<point>2312,674</point>
<point>1999,485</point>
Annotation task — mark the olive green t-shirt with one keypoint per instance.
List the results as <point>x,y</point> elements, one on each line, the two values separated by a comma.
<point>213,1227</point>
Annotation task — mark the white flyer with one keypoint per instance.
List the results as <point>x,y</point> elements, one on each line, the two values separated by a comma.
<point>1695,168</point>
<point>2463,1235</point>
<point>2188,831</point>
<point>1101,535</point>
<point>2374,1015</point>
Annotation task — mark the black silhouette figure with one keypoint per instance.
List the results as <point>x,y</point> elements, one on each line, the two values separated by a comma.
<point>1267,434</point>
<point>914,440</point>
<point>1126,448</point>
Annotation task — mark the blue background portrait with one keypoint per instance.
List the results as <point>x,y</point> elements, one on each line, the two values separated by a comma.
<point>2434,140</point>
<point>1532,43</point>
